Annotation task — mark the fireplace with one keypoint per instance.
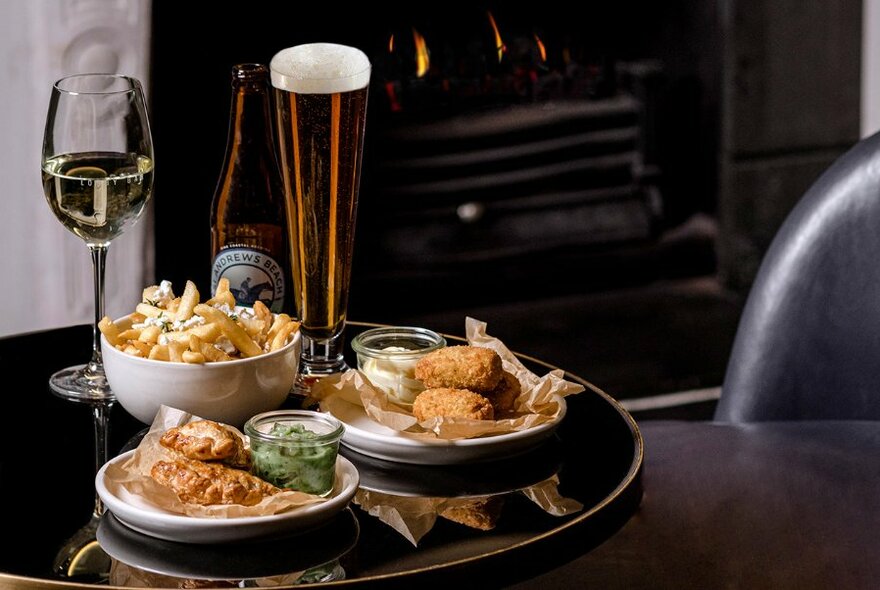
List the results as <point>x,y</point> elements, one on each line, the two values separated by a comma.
<point>515,158</point>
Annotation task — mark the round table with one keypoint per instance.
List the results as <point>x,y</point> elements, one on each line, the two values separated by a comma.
<point>47,485</point>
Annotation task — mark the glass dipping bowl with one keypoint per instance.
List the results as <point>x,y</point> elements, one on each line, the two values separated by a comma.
<point>295,449</point>
<point>388,357</point>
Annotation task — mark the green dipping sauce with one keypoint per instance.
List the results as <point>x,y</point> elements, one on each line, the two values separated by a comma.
<point>299,463</point>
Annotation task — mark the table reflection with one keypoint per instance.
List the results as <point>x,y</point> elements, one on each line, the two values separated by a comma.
<point>142,561</point>
<point>411,498</point>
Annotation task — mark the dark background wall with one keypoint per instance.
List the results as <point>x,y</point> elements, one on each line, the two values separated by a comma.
<point>791,97</point>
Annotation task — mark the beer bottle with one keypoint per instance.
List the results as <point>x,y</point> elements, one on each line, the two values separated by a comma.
<point>248,226</point>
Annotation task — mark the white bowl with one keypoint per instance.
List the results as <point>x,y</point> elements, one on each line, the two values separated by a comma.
<point>227,391</point>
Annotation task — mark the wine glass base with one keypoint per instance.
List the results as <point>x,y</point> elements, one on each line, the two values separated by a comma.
<point>81,383</point>
<point>81,558</point>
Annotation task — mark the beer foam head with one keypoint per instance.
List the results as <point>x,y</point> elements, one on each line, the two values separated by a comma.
<point>320,68</point>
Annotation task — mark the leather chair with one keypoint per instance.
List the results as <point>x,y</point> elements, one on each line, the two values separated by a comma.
<point>808,343</point>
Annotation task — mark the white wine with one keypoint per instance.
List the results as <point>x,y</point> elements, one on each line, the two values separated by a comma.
<point>96,195</point>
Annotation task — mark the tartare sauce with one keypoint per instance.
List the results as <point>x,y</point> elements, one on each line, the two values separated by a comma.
<point>394,376</point>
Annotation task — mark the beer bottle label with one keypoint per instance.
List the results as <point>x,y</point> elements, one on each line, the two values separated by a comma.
<point>253,276</point>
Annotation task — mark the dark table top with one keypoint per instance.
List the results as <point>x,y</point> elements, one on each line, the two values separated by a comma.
<point>768,505</point>
<point>47,485</point>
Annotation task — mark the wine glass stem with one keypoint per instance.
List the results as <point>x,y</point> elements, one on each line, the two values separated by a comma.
<point>99,258</point>
<point>100,412</point>
<point>100,409</point>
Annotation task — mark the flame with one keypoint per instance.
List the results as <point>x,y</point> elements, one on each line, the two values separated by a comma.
<point>499,44</point>
<point>542,51</point>
<point>423,60</point>
<point>391,43</point>
<point>393,101</point>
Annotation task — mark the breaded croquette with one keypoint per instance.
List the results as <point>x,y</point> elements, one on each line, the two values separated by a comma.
<point>503,397</point>
<point>460,367</point>
<point>452,403</point>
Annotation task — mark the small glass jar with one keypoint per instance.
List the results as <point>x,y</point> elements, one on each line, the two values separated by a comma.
<point>388,357</point>
<point>295,449</point>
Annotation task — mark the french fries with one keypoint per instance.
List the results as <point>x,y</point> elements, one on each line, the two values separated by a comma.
<point>188,302</point>
<point>110,331</point>
<point>224,295</point>
<point>232,329</point>
<point>182,330</point>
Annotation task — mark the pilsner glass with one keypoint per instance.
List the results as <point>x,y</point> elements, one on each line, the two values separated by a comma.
<point>321,104</point>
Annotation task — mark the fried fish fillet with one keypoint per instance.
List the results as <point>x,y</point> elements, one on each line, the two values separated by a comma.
<point>196,482</point>
<point>460,367</point>
<point>452,403</point>
<point>206,440</point>
<point>503,397</point>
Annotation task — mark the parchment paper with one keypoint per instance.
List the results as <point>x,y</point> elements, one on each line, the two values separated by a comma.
<point>133,475</point>
<point>537,403</point>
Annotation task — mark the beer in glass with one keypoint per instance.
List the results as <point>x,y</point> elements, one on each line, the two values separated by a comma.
<point>321,103</point>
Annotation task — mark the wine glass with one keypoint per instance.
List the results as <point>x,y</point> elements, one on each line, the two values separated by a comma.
<point>97,166</point>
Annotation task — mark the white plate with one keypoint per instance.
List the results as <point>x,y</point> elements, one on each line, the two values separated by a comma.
<point>368,437</point>
<point>462,480</point>
<point>149,519</point>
